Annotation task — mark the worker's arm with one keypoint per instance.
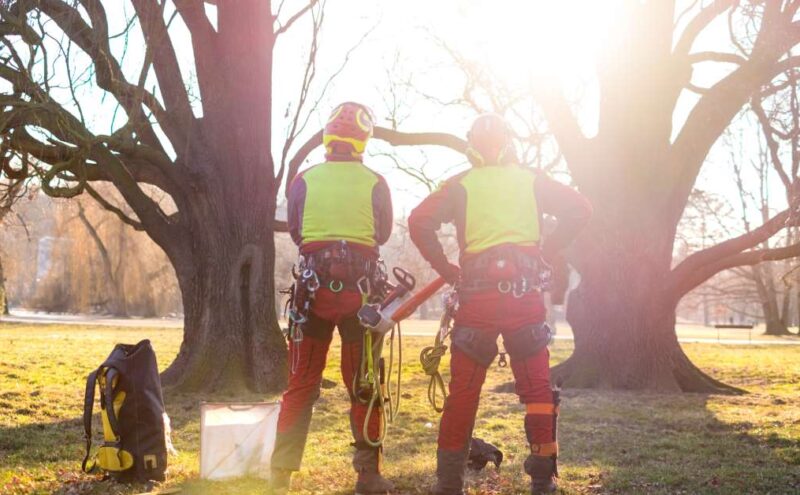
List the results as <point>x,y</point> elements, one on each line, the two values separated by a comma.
<point>423,223</point>
<point>382,211</point>
<point>570,208</point>
<point>294,215</point>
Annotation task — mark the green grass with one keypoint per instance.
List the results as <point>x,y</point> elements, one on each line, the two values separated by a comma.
<point>612,442</point>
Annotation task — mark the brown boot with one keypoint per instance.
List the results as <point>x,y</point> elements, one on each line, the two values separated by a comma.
<point>367,463</point>
<point>279,481</point>
<point>543,474</point>
<point>450,468</point>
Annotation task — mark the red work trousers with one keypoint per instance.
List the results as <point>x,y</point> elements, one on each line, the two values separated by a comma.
<point>486,315</point>
<point>329,310</point>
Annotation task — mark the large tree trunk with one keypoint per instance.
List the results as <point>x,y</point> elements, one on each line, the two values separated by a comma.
<point>232,340</point>
<point>623,311</point>
<point>226,265</point>
<point>621,314</point>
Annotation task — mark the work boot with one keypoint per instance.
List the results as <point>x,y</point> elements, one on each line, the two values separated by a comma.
<point>366,462</point>
<point>543,474</point>
<point>279,481</point>
<point>450,468</point>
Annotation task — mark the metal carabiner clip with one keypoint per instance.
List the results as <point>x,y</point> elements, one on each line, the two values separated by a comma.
<point>312,283</point>
<point>518,294</point>
<point>504,286</point>
<point>364,287</point>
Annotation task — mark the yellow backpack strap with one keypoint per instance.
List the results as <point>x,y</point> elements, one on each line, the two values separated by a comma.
<point>88,406</point>
<point>111,379</point>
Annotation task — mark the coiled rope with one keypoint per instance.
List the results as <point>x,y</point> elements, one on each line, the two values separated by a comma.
<point>431,357</point>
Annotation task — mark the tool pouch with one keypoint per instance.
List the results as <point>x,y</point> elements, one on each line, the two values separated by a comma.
<point>527,341</point>
<point>479,346</point>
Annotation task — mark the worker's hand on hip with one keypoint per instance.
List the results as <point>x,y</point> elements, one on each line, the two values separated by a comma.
<point>450,273</point>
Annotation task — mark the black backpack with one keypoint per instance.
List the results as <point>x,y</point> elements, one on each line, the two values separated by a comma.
<point>132,412</point>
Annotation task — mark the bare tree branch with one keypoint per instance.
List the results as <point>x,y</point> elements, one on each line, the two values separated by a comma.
<point>699,23</point>
<point>285,27</point>
<point>699,261</point>
<point>721,57</point>
<point>165,61</point>
<point>748,258</point>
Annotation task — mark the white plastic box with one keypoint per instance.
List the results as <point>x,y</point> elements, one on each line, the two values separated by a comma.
<point>237,439</point>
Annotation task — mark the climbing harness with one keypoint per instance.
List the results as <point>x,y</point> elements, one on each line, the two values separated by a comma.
<point>508,272</point>
<point>298,306</point>
<point>335,268</point>
<point>431,356</point>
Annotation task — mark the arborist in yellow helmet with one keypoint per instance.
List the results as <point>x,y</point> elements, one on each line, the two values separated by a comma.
<point>496,207</point>
<point>339,213</point>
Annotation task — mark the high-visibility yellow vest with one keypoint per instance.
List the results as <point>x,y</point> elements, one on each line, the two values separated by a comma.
<point>501,207</point>
<point>338,203</point>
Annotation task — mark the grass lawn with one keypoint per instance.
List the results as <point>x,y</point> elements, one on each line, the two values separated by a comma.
<point>612,442</point>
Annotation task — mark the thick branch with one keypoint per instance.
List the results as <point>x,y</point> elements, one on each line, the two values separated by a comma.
<point>699,23</point>
<point>699,261</point>
<point>564,125</point>
<point>721,57</point>
<point>113,209</point>
<point>749,258</point>
<point>772,145</point>
<point>165,61</point>
<point>393,137</point>
<point>204,43</point>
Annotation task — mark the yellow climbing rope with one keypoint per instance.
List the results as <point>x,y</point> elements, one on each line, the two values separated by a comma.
<point>371,370</point>
<point>430,358</point>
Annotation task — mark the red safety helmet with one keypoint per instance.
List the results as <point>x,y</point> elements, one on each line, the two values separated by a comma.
<point>490,141</point>
<point>348,129</point>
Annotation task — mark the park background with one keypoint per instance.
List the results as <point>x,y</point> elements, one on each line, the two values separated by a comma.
<point>678,119</point>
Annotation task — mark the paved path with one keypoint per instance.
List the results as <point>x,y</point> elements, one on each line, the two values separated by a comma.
<point>30,317</point>
<point>19,316</point>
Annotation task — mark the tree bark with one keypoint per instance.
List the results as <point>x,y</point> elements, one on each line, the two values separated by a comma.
<point>232,340</point>
<point>622,313</point>
<point>765,286</point>
<point>3,297</point>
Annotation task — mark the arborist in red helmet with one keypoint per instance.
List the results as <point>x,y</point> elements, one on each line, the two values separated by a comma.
<point>339,212</point>
<point>497,207</point>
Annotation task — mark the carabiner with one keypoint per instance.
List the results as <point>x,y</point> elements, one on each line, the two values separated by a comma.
<point>364,286</point>
<point>336,286</point>
<point>312,283</point>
